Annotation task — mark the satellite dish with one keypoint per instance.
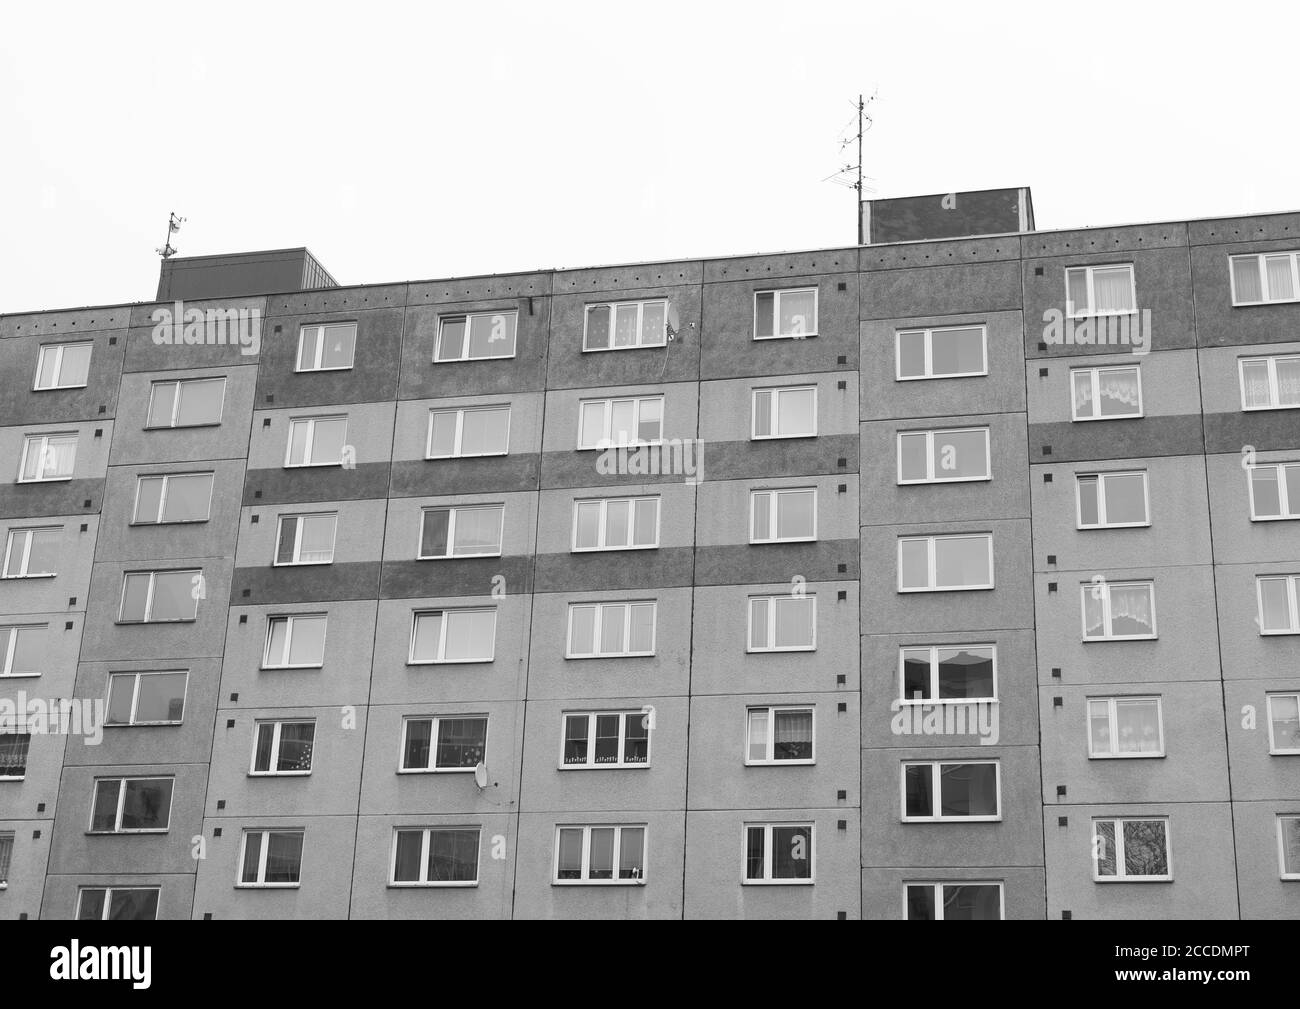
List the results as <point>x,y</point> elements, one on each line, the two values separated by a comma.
<point>674,321</point>
<point>480,775</point>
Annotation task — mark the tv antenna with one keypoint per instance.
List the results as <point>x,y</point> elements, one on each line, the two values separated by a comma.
<point>851,175</point>
<point>173,225</point>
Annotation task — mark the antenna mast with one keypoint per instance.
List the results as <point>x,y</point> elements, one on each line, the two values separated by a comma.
<point>851,175</point>
<point>173,225</point>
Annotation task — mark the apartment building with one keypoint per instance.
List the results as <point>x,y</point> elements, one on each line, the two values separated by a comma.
<point>952,575</point>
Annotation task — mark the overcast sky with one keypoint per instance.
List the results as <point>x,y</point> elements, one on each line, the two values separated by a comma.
<point>404,141</point>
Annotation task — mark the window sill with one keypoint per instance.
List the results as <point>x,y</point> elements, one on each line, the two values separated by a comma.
<point>267,886</point>
<point>922,701</point>
<point>469,884</point>
<point>781,437</point>
<point>18,676</point>
<point>785,336</point>
<point>792,539</point>
<point>631,346</point>
<point>604,767</point>
<point>777,882</point>
<point>1132,879</point>
<point>459,557</point>
<point>52,479</point>
<point>314,465</point>
<point>180,427</point>
<point>57,388</point>
<point>21,578</point>
<point>951,819</point>
<point>302,564</point>
<point>949,588</point>
<point>781,763</point>
<point>1274,518</point>
<point>151,623</point>
<point>1121,525</point>
<point>449,662</point>
<point>126,833</point>
<point>780,651</point>
<point>1077,316</point>
<point>471,360</point>
<point>611,655</point>
<point>610,550</point>
<point>172,522</point>
<point>435,770</point>
<point>1263,304</point>
<point>1136,637</point>
<point>274,669</point>
<point>1126,756</point>
<point>314,371</point>
<point>141,725</point>
<point>467,455</point>
<point>1267,409</point>
<point>278,774</point>
<point>932,378</point>
<point>598,882</point>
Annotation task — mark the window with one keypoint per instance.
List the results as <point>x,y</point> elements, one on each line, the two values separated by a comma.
<point>173,497</point>
<point>1116,611</point>
<point>945,563</point>
<point>283,748</point>
<point>1130,849</point>
<point>464,635</point>
<point>616,524</point>
<point>939,673</point>
<point>785,314</point>
<point>187,403</point>
<point>63,366</point>
<point>779,853</point>
<point>116,903</point>
<point>461,532</point>
<point>1288,844</point>
<point>13,755</point>
<point>1284,723</point>
<point>635,420</point>
<point>783,516</point>
<point>6,856</point>
<point>600,854</point>
<point>1274,491</point>
<point>1125,727</point>
<point>609,630</point>
<point>1111,500</point>
<point>326,348</point>
<point>952,901</point>
<point>271,858</point>
<point>783,623</point>
<point>1279,611</point>
<point>785,413</point>
<point>131,805</point>
<point>1106,393</point>
<point>944,456</point>
<point>151,597</point>
<point>477,337</point>
<point>606,739</point>
<point>779,736</point>
<point>468,432</point>
<point>295,642</point>
<point>625,325</point>
<point>1270,277</point>
<point>316,441</point>
<point>22,649</point>
<point>443,743</point>
<point>937,790</point>
<point>952,352</point>
<point>306,539</point>
<point>146,698</point>
<point>1100,290</point>
<point>1270,383</point>
<point>435,856</point>
<point>31,553</point>
<point>48,457</point>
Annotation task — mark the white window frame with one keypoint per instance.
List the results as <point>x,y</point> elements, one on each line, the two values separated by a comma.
<point>1112,702</point>
<point>22,730</point>
<point>296,518</point>
<point>435,729</point>
<point>317,329</point>
<point>602,530</point>
<point>58,349</point>
<point>928,335</point>
<point>454,511</point>
<point>933,659</point>
<point>175,384</point>
<point>586,829</point>
<point>1108,617</point>
<point>612,607</point>
<point>774,495</point>
<point>1101,479</point>
<point>1274,390</point>
<point>607,403</point>
<point>932,557</point>
<point>278,725</point>
<point>109,891</point>
<point>121,802</point>
<point>622,763</point>
<point>1293,602</point>
<point>166,479</point>
<point>1273,748</point>
<point>148,599</point>
<point>768,826</point>
<point>442,636</point>
<point>136,676</point>
<point>460,412</point>
<point>1072,311</point>
<point>27,533</point>
<point>1281,846</point>
<point>937,888</point>
<point>1095,374</point>
<point>772,599</point>
<point>776,391</point>
<point>772,709</point>
<point>613,307</point>
<point>11,649</point>
<point>425,841</point>
<point>1120,875</point>
<point>778,293</point>
<point>39,443</point>
<point>263,853</point>
<point>936,791</point>
<point>309,444</point>
<point>1288,509</point>
<point>930,436</point>
<point>465,355</point>
<point>289,620</point>
<point>1259,258</point>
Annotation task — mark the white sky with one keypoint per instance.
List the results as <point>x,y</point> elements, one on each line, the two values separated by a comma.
<point>405,141</point>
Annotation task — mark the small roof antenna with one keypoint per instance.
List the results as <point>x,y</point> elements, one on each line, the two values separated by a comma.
<point>851,175</point>
<point>173,225</point>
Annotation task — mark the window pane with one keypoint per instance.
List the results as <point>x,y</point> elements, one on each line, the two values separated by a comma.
<point>631,853</point>
<point>1288,383</point>
<point>754,852</point>
<point>791,853</point>
<point>173,596</point>
<point>1278,271</point>
<point>622,421</point>
<point>29,652</point>
<point>1291,845</point>
<point>200,402</point>
<point>794,616</point>
<point>442,440</point>
<point>1245,273</point>
<point>160,404</point>
<point>912,456</point>
<point>617,521</point>
<point>1104,847</point>
<point>433,535</point>
<point>957,351</point>
<point>606,748</point>
<point>188,497</point>
<point>453,856</point>
<point>587,536</point>
<point>1088,501</point>
<point>1144,848</point>
<point>1130,609</point>
<point>653,320</point>
<point>972,903</point>
<point>965,673</point>
<point>1255,385</point>
<point>636,738</point>
<point>575,739</point>
<point>601,853</point>
<point>1138,725</point>
<point>916,674</point>
<point>582,630</point>
<point>1094,613</point>
<point>1077,283</point>
<point>147,804</point>
<point>76,364</point>
<point>758,622</point>
<point>478,531</point>
<point>428,627</point>
<point>161,697</point>
<point>1276,610</point>
<point>461,741</point>
<point>419,741</point>
<point>470,634</point>
<point>643,627</point>
<point>296,740</point>
<point>795,514</point>
<point>762,506</point>
<point>960,454</point>
<point>486,432</point>
<point>1118,392</point>
<point>1113,289</point>
<point>492,335</point>
<point>43,551</point>
<point>968,789</point>
<point>121,693</point>
<point>920,902</point>
<point>135,590</point>
<point>262,748</point>
<point>798,313</point>
<point>911,354</point>
<point>591,424</point>
<point>339,343</point>
<point>764,312</point>
<point>298,431</point>
<point>1126,498</point>
<point>104,809</point>
<point>763,413</point>
<point>91,907</point>
<point>1081,381</point>
<point>1284,710</point>
<point>451,340</point>
<point>963,561</point>
<point>759,729</point>
<point>1099,728</point>
<point>598,327</point>
<point>307,647</point>
<point>1291,480</point>
<point>611,629</point>
<point>406,860</point>
<point>133,905</point>
<point>793,735</point>
<point>795,415</point>
<point>279,634</point>
<point>45,377</point>
<point>327,440</point>
<point>283,857</point>
<point>148,499</point>
<point>316,544</point>
<point>914,563</point>
<point>569,860</point>
<point>308,338</point>
<point>650,420</point>
<point>917,789</point>
<point>625,325</point>
<point>252,856</point>
<point>647,523</point>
